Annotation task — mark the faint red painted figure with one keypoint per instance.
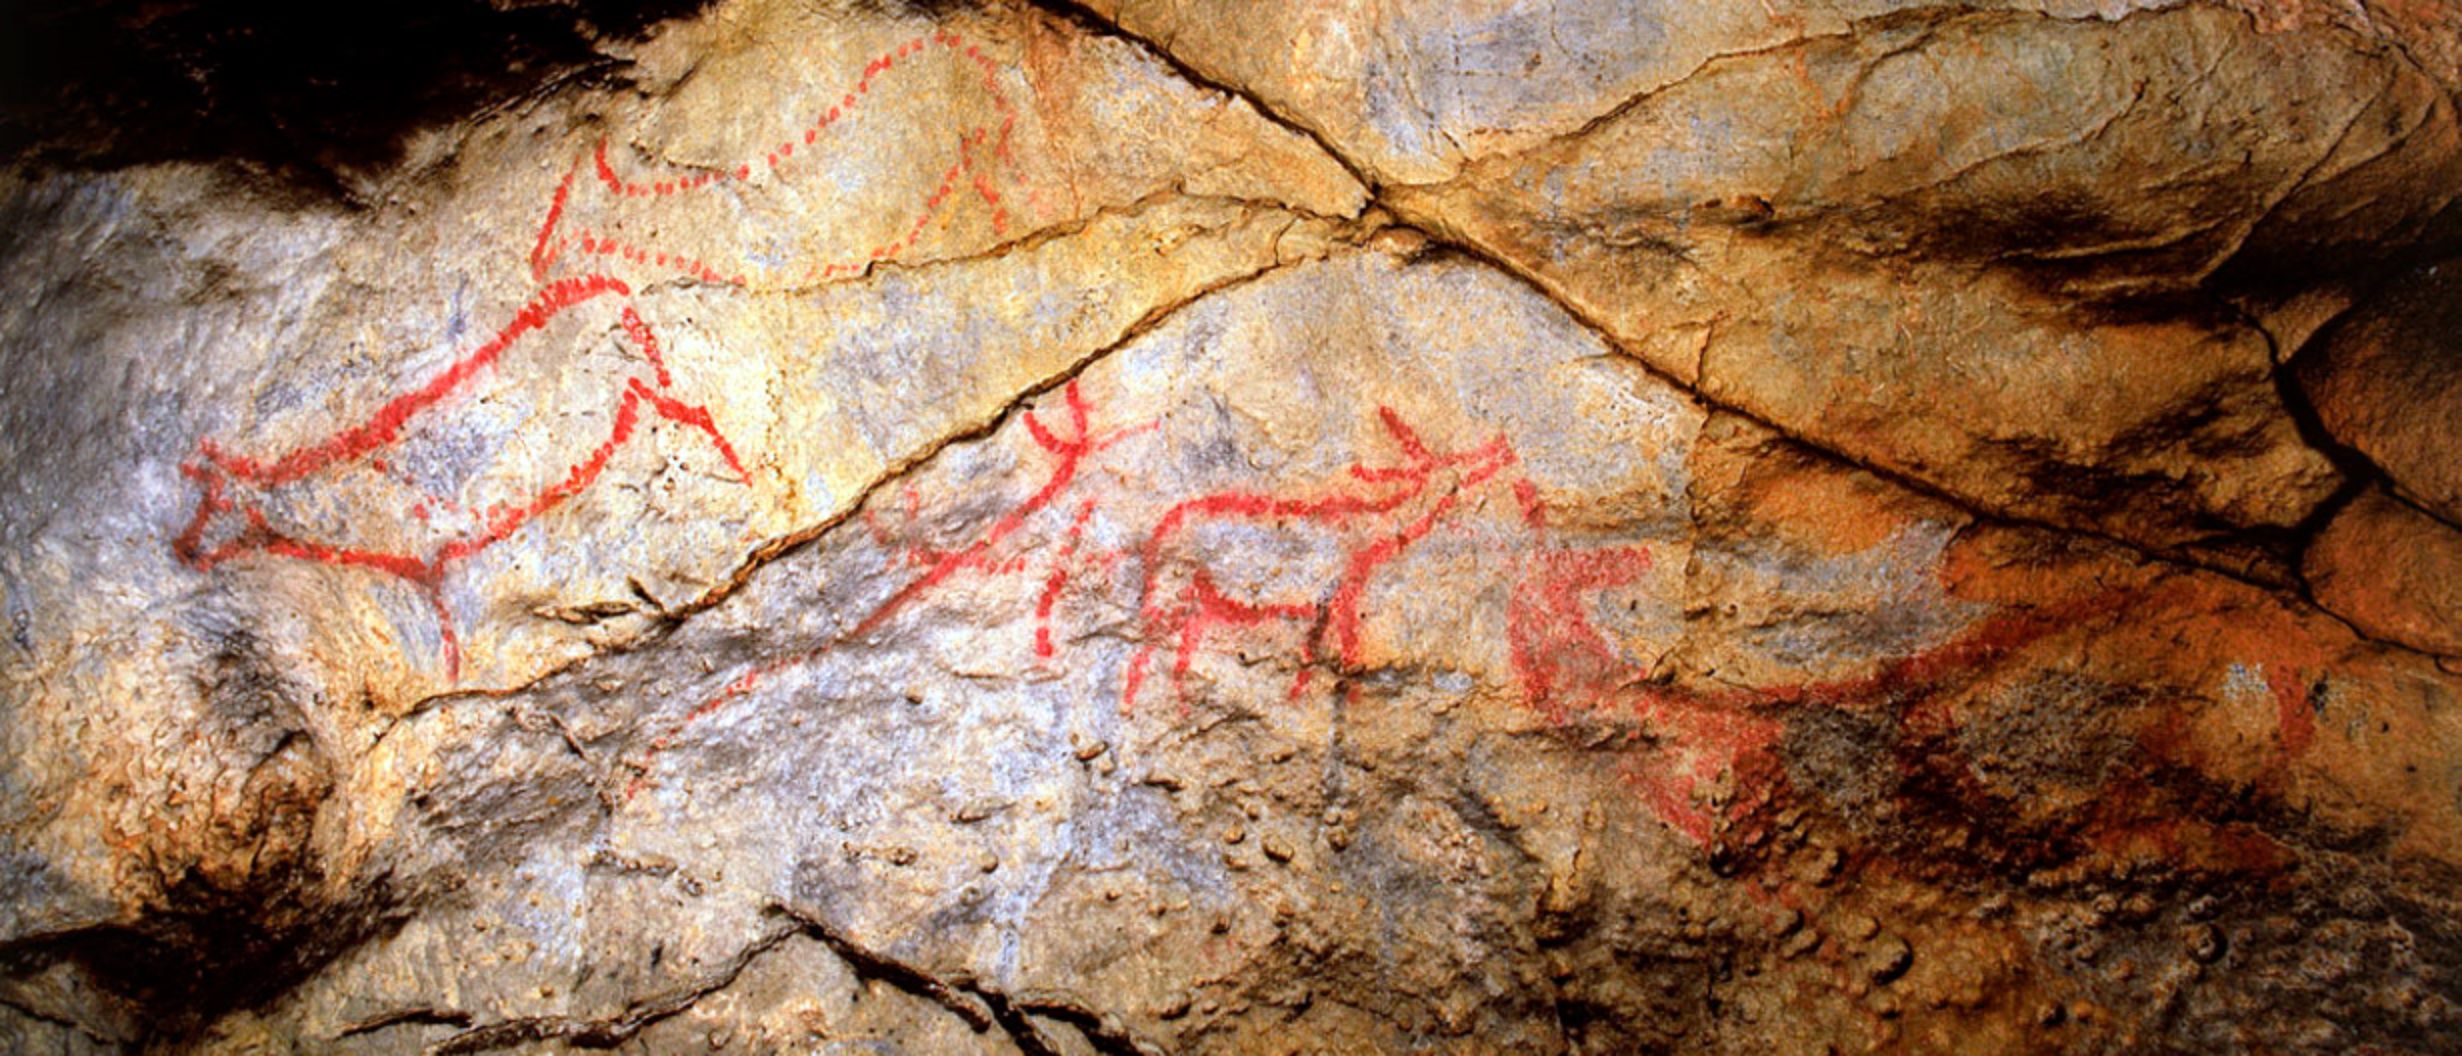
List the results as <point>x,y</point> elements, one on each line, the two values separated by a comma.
<point>603,219</point>
<point>1068,447</point>
<point>300,503</point>
<point>1566,666</point>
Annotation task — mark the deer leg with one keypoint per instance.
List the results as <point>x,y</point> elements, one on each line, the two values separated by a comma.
<point>433,590</point>
<point>203,528</point>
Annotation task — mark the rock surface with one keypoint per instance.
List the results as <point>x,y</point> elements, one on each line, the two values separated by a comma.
<point>928,527</point>
<point>2393,571</point>
<point>2388,382</point>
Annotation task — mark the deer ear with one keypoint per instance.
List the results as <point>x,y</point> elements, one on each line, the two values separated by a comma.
<point>209,533</point>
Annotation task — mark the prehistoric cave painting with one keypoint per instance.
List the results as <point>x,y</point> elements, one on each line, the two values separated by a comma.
<point>1576,678</point>
<point>1707,763</point>
<point>605,219</point>
<point>1560,660</point>
<point>365,497</point>
<point>1378,512</point>
<point>311,502</point>
<point>1068,450</point>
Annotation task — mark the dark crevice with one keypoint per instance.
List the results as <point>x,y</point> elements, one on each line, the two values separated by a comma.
<point>1021,1030</point>
<point>317,95</point>
<point>218,952</point>
<point>871,964</point>
<point>1090,1024</point>
<point>2361,474</point>
<point>612,1031</point>
<point>234,919</point>
<point>981,1007</point>
<point>1086,18</point>
<point>2179,557</point>
<point>675,617</point>
<point>2283,545</point>
<point>421,1016</point>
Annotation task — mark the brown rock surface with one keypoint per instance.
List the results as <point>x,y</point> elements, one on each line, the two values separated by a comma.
<point>928,527</point>
<point>2388,381</point>
<point>2393,571</point>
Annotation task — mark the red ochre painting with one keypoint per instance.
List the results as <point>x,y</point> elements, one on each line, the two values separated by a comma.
<point>1711,765</point>
<point>281,503</point>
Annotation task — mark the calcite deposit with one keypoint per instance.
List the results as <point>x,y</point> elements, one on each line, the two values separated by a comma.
<point>1118,527</point>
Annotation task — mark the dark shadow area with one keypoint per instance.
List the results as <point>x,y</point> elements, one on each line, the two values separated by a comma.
<point>308,91</point>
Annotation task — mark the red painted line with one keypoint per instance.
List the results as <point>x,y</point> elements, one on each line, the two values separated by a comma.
<point>385,426</point>
<point>216,468</point>
<point>776,159</point>
<point>647,342</point>
<point>1064,469</point>
<point>2295,719</point>
<point>1069,453</point>
<point>1058,580</point>
<point>541,253</point>
<point>1339,614</point>
<point>1526,493</point>
<point>699,418</point>
<point>1545,617</point>
<point>1343,616</point>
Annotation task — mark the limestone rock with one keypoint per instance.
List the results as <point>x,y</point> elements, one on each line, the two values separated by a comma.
<point>1785,229</point>
<point>1002,527</point>
<point>2393,571</point>
<point>2387,380</point>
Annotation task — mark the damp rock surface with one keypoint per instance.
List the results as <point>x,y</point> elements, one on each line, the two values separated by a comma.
<point>813,526</point>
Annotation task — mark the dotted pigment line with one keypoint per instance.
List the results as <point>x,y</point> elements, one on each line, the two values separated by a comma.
<point>601,245</point>
<point>785,150</point>
<point>966,171</point>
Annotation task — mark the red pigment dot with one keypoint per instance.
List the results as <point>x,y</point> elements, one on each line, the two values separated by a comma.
<point>743,172</point>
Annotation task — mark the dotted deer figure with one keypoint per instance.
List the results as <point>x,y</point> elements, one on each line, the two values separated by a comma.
<point>355,498</point>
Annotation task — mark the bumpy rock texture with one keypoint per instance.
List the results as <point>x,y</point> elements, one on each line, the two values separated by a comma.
<point>802,526</point>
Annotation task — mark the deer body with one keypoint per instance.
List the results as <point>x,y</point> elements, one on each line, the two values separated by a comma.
<point>400,492</point>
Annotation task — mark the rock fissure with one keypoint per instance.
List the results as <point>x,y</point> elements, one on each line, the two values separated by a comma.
<point>611,1031</point>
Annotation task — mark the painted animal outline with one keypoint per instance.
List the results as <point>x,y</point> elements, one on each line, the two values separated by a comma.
<point>1069,448</point>
<point>1373,503</point>
<point>1567,666</point>
<point>1571,673</point>
<point>227,524</point>
<point>604,236</point>
<point>1561,660</point>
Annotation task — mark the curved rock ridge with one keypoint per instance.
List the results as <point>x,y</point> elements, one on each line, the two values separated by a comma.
<point>1111,527</point>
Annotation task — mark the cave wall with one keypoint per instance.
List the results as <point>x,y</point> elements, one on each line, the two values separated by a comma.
<point>803,526</point>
